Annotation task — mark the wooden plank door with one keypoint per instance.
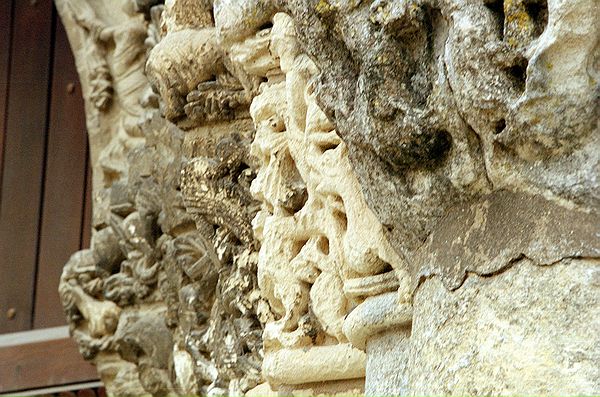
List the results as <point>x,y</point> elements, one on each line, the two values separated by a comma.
<point>64,186</point>
<point>5,43</point>
<point>24,150</point>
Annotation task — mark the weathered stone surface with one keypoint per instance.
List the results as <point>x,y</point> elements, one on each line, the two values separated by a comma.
<point>387,377</point>
<point>487,236</point>
<point>315,261</point>
<point>169,284</point>
<point>298,197</point>
<point>441,101</point>
<point>376,315</point>
<point>526,331</point>
<point>471,147</point>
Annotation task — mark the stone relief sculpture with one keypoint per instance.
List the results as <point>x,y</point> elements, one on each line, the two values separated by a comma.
<point>315,262</point>
<point>113,75</point>
<point>165,301</point>
<point>322,197</point>
<point>450,111</point>
<point>191,71</point>
<point>435,164</point>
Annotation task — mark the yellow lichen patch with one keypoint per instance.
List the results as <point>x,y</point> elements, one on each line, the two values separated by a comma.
<point>324,7</point>
<point>382,59</point>
<point>519,24</point>
<point>381,16</point>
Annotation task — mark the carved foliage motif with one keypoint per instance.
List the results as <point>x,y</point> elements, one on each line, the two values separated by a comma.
<point>175,259</point>
<point>316,262</point>
<point>165,301</point>
<point>195,77</point>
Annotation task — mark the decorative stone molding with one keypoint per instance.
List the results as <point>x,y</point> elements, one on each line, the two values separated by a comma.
<point>165,301</point>
<point>310,225</point>
<point>318,196</point>
<point>475,142</point>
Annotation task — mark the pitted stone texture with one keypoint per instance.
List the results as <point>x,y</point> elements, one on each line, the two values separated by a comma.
<point>471,128</point>
<point>387,377</point>
<point>529,331</point>
<point>442,101</point>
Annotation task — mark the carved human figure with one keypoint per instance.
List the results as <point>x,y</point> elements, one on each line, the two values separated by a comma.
<point>81,285</point>
<point>417,200</point>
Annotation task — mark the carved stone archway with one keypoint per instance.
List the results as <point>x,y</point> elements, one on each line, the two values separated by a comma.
<point>291,196</point>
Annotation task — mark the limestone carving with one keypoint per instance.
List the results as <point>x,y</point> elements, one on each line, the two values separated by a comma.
<point>215,270</point>
<point>315,262</point>
<point>468,141</point>
<point>322,197</point>
<point>111,64</point>
<point>192,72</point>
<point>108,42</point>
<point>441,98</point>
<point>111,292</point>
<point>168,289</point>
<point>99,74</point>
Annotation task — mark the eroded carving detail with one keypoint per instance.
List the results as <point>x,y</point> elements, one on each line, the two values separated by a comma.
<point>193,74</point>
<point>443,101</point>
<point>233,140</point>
<point>312,222</point>
<point>166,300</point>
<point>466,139</point>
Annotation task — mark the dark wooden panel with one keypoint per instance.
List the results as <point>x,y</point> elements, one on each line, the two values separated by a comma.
<point>64,188</point>
<point>43,364</point>
<point>24,148</point>
<point>86,229</point>
<point>5,42</point>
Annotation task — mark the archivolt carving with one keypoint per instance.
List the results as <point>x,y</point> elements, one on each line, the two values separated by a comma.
<point>192,72</point>
<point>169,283</point>
<point>458,122</point>
<point>274,180</point>
<point>313,217</point>
<point>111,59</point>
<point>175,236</point>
